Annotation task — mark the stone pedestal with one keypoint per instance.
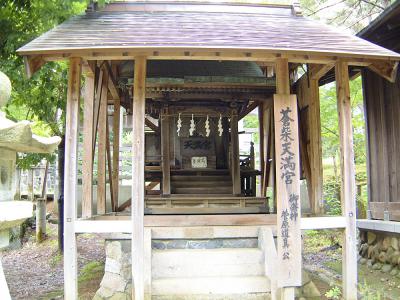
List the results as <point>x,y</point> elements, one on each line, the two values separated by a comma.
<point>117,280</point>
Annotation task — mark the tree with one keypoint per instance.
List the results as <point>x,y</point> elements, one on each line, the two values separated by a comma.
<point>42,98</point>
<point>349,14</point>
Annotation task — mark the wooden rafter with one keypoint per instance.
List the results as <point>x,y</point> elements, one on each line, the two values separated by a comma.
<point>151,125</point>
<point>387,70</point>
<point>33,63</point>
<point>316,71</point>
<point>248,109</point>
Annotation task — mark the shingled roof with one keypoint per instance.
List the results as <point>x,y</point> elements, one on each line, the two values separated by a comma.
<point>200,26</point>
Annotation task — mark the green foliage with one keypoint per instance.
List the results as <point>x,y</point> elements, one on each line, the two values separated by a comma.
<point>91,271</point>
<point>334,293</point>
<point>42,98</point>
<point>331,193</point>
<point>368,293</point>
<point>349,14</point>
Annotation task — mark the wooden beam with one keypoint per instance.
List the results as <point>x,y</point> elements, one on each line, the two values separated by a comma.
<point>235,160</point>
<point>70,181</point>
<point>101,148</point>
<point>265,56</point>
<point>282,77</point>
<point>109,167</point>
<point>165,151</point>
<point>88,153</point>
<point>386,69</point>
<point>138,116</point>
<point>33,64</point>
<point>97,101</point>
<point>348,195</point>
<point>323,223</point>
<point>112,84</point>
<point>316,71</point>
<point>122,223</point>
<point>151,125</point>
<point>252,106</point>
<point>116,143</point>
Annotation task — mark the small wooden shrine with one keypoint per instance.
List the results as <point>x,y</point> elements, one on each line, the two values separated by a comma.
<point>187,72</point>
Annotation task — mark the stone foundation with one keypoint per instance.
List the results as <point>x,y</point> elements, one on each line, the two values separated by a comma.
<point>117,281</point>
<point>380,251</point>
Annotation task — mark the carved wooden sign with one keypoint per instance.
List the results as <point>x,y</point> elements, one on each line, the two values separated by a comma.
<point>288,190</point>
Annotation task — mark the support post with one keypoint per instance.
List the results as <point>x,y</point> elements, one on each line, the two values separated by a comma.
<point>40,219</point>
<point>165,136</point>
<point>261,148</point>
<point>87,156</point>
<point>70,181</point>
<point>115,156</point>
<point>138,116</point>
<point>287,183</point>
<point>101,148</point>
<point>235,160</point>
<point>348,197</point>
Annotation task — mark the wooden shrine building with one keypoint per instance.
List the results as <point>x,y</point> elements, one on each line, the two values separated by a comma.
<point>187,72</point>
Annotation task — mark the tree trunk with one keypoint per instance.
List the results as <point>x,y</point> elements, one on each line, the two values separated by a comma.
<point>61,151</point>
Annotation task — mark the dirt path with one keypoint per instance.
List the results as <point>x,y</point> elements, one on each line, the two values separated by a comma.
<point>34,271</point>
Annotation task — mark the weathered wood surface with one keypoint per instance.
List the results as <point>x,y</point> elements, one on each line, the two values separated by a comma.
<point>87,153</point>
<point>70,178</point>
<point>288,190</point>
<point>348,193</point>
<point>243,27</point>
<point>165,151</point>
<point>235,162</point>
<point>382,108</point>
<point>308,96</point>
<point>138,142</point>
<point>101,147</point>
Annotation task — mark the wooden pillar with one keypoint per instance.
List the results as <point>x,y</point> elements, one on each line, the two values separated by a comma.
<point>348,197</point>
<point>102,147</point>
<point>261,148</point>
<point>235,160</point>
<point>311,148</point>
<point>287,183</point>
<point>138,117</point>
<point>70,181</point>
<point>115,156</point>
<point>87,156</point>
<point>165,146</point>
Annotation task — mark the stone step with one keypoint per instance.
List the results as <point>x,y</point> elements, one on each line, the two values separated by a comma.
<point>175,263</point>
<point>210,285</point>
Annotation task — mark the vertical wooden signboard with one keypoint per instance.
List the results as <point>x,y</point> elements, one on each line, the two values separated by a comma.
<point>288,190</point>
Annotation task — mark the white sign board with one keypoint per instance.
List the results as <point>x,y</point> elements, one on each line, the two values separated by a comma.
<point>199,162</point>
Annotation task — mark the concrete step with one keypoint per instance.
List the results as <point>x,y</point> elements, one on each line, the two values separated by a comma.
<point>174,263</point>
<point>202,190</point>
<point>210,285</point>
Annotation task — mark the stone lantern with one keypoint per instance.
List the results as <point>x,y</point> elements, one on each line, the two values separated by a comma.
<point>15,137</point>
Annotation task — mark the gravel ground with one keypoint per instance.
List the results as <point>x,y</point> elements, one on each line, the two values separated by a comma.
<point>35,270</point>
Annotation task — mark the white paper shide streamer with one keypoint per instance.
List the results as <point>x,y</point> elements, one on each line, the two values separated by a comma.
<point>192,127</point>
<point>179,124</point>
<point>220,129</point>
<point>207,127</point>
